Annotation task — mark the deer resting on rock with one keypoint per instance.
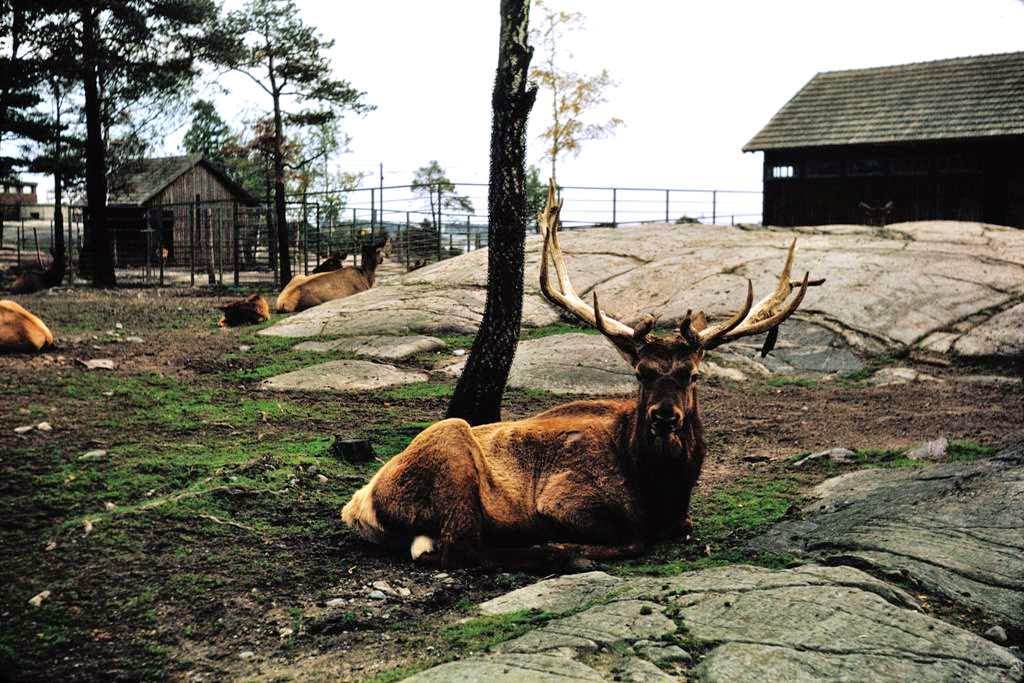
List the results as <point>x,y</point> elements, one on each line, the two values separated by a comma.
<point>306,291</point>
<point>594,479</point>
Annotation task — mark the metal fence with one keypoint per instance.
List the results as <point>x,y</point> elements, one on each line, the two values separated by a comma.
<point>219,242</point>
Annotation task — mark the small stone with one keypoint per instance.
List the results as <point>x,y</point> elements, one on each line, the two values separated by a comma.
<point>24,411</point>
<point>840,456</point>
<point>934,450</point>
<point>997,634</point>
<point>244,347</point>
<point>24,430</point>
<point>404,592</point>
<point>285,632</point>
<point>37,600</point>
<point>44,427</point>
<point>321,478</point>
<point>246,654</point>
<point>377,595</point>
<point>459,352</point>
<point>109,506</point>
<point>98,364</point>
<point>135,340</point>
<point>95,454</point>
<point>384,587</point>
<point>336,602</point>
<point>108,394</point>
<point>52,545</point>
<point>441,576</point>
<point>118,326</point>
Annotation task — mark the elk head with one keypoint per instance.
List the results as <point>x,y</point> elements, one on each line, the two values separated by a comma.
<point>374,253</point>
<point>667,367</point>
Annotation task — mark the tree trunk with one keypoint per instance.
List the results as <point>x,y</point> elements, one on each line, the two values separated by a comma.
<point>477,397</point>
<point>57,250</point>
<point>98,245</point>
<point>280,212</point>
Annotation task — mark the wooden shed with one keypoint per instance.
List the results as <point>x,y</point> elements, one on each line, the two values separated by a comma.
<point>153,206</point>
<point>931,140</point>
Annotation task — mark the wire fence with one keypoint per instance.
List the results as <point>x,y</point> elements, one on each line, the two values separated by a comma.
<point>227,242</point>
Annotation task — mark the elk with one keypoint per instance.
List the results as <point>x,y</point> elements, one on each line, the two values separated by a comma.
<point>306,291</point>
<point>597,479</point>
<point>252,310</point>
<point>32,281</point>
<point>333,262</point>
<point>22,331</point>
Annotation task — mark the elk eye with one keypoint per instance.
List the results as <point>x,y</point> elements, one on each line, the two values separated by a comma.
<point>694,377</point>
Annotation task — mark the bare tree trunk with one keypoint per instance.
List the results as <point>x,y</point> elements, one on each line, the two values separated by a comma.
<point>97,233</point>
<point>477,397</point>
<point>57,249</point>
<point>283,252</point>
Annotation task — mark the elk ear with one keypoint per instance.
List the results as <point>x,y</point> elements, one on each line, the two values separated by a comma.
<point>699,322</point>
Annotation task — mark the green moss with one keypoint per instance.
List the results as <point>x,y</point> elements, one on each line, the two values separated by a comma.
<point>419,390</point>
<point>961,450</point>
<point>785,381</point>
<point>481,633</point>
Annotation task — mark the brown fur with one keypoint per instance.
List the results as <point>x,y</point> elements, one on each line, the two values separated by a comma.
<point>22,331</point>
<point>249,311</point>
<point>306,291</point>
<point>593,478</point>
<point>335,261</point>
<point>33,281</point>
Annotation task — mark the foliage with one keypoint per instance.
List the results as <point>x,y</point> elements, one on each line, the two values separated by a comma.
<point>484,632</point>
<point>536,192</point>
<point>432,180</point>
<point>573,96</point>
<point>209,134</point>
<point>267,41</point>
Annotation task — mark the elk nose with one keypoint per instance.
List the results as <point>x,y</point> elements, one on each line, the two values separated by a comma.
<point>664,417</point>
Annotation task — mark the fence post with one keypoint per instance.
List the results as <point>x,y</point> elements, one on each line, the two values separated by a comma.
<point>318,234</point>
<point>234,240</point>
<point>408,224</point>
<point>714,206</point>
<point>352,239</point>
<point>667,219</point>
<point>149,245</point>
<point>469,244</point>
<point>615,207</point>
<point>19,230</point>
<point>305,236</point>
<point>194,220</point>
<point>440,235</point>
<point>373,211</point>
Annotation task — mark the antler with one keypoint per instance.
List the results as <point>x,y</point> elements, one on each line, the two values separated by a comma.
<point>749,320</point>
<point>565,296</point>
<point>768,314</point>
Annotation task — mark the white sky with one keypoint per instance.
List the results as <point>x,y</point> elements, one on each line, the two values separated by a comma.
<point>697,79</point>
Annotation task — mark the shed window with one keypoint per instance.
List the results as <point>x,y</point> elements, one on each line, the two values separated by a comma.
<point>26,190</point>
<point>822,168</point>
<point>867,167</point>
<point>781,172</point>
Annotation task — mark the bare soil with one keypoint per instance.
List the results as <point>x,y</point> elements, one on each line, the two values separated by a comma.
<point>214,513</point>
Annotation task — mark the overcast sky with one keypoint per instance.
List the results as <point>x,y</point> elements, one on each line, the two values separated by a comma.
<point>696,79</point>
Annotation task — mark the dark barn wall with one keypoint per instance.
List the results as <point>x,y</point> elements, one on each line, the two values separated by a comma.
<point>972,181</point>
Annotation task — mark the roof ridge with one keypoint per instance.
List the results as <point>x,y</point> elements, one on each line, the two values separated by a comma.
<point>926,62</point>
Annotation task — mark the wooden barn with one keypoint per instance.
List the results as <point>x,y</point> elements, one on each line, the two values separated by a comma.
<point>152,207</point>
<point>932,140</point>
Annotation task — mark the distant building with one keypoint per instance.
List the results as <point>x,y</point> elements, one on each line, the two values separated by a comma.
<point>937,140</point>
<point>160,194</point>
<point>14,194</point>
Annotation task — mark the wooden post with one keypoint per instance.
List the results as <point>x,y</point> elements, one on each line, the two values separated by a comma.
<point>234,240</point>
<point>667,219</point>
<point>408,224</point>
<point>468,243</point>
<point>193,219</point>
<point>615,221</point>
<point>373,211</point>
<point>714,206</point>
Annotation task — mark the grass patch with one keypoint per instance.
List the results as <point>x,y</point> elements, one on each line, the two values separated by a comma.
<point>723,521</point>
<point>786,381</point>
<point>419,390</point>
<point>962,450</point>
<point>482,633</point>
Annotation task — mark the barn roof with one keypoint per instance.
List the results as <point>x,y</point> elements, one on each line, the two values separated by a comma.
<point>967,97</point>
<point>144,179</point>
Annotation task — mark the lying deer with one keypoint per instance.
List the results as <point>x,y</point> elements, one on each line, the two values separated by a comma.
<point>251,310</point>
<point>590,479</point>
<point>22,331</point>
<point>306,291</point>
<point>336,261</point>
<point>32,281</point>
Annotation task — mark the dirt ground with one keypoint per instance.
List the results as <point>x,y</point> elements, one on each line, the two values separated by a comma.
<point>204,542</point>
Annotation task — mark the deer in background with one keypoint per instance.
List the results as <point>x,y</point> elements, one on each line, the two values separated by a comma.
<point>306,291</point>
<point>336,261</point>
<point>21,330</point>
<point>594,479</point>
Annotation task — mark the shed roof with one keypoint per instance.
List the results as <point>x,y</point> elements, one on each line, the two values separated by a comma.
<point>144,179</point>
<point>962,98</point>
